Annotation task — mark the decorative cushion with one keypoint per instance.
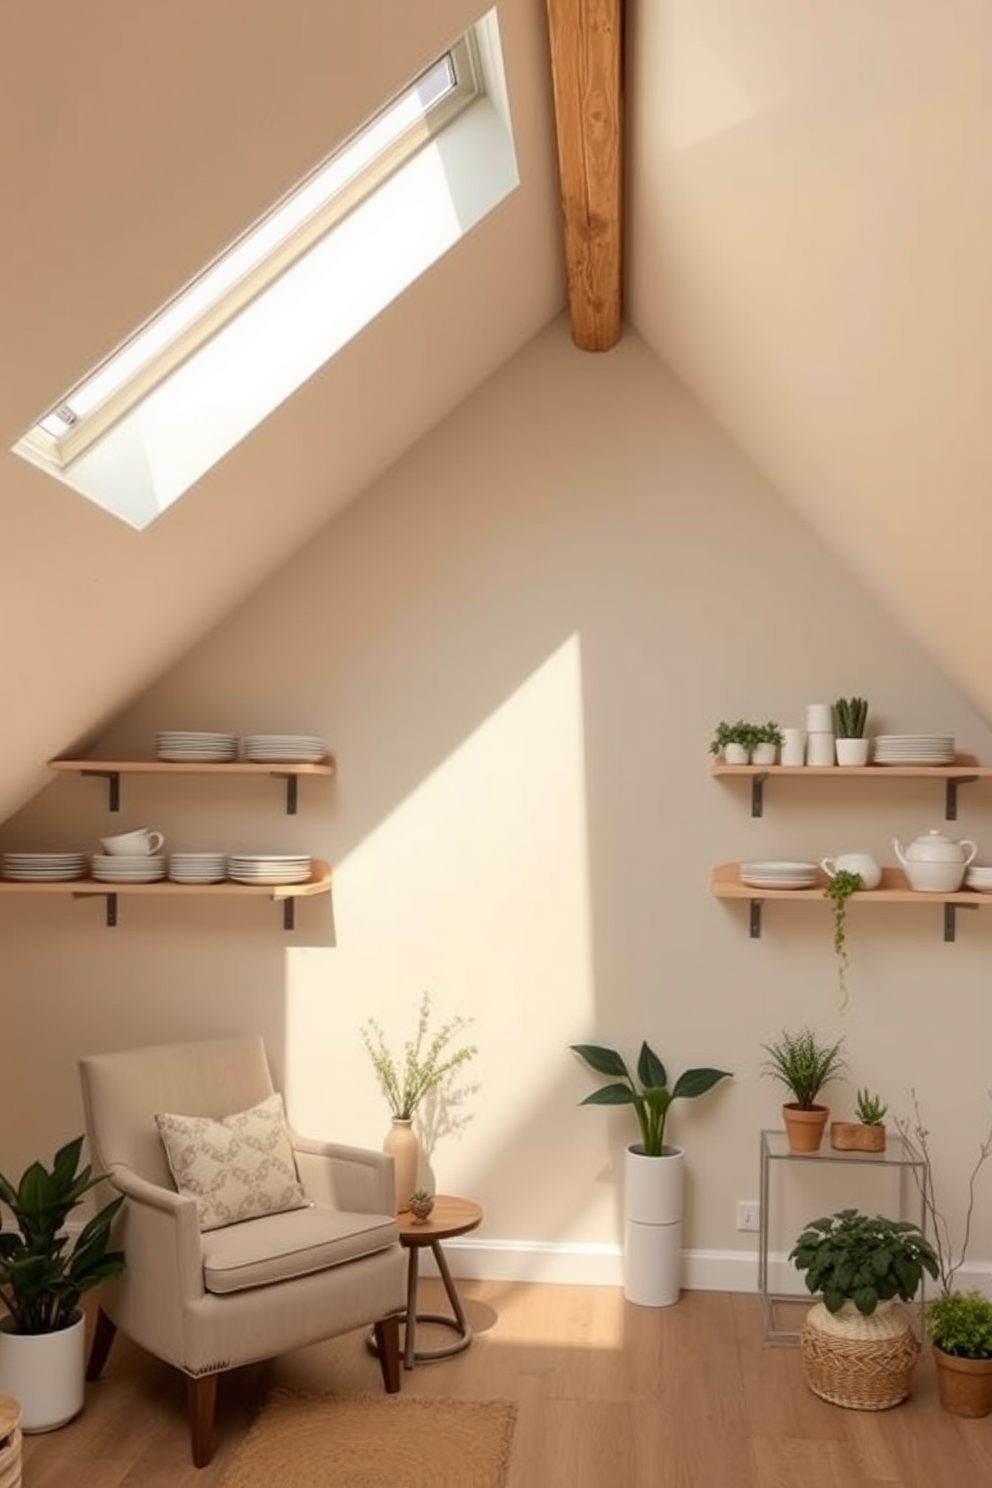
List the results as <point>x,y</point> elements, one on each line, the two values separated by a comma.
<point>236,1169</point>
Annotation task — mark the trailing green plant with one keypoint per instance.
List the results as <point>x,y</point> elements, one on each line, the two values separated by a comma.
<point>850,716</point>
<point>803,1065</point>
<point>960,1323</point>
<point>427,1060</point>
<point>854,1257</point>
<point>917,1138</point>
<point>42,1277</point>
<point>650,1095</point>
<point>870,1111</point>
<point>839,889</point>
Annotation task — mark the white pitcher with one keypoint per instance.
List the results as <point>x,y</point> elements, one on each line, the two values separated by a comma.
<point>855,862</point>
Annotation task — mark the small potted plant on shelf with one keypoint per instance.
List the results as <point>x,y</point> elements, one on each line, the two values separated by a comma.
<point>850,716</point>
<point>867,1133</point>
<point>804,1066</point>
<point>768,740</point>
<point>838,890</point>
<point>652,1168</point>
<point>959,1325</point>
<point>858,1347</point>
<point>734,741</point>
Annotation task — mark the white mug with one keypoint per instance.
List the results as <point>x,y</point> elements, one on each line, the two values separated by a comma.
<point>855,862</point>
<point>139,843</point>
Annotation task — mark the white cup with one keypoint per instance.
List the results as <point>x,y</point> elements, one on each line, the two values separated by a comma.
<point>793,746</point>
<point>820,749</point>
<point>139,843</point>
<point>819,718</point>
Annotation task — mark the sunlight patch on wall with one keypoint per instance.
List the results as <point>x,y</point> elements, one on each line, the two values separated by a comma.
<point>476,886</point>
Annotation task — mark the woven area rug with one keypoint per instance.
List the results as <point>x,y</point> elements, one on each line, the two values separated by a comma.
<point>374,1441</point>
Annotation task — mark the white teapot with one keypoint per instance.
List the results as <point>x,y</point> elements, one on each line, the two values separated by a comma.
<point>854,862</point>
<point>934,863</point>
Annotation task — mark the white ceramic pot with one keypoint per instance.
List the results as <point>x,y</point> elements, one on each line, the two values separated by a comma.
<point>863,863</point>
<point>735,754</point>
<point>45,1372</point>
<point>764,754</point>
<point>852,751</point>
<point>652,1257</point>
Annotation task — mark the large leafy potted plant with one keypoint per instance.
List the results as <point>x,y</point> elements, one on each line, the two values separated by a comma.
<point>804,1065</point>
<point>653,1169</point>
<point>858,1347</point>
<point>42,1278</point>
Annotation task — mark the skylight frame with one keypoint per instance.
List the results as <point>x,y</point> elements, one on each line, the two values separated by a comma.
<point>82,429</point>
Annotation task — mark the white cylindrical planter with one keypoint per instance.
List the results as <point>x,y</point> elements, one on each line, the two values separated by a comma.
<point>652,1271</point>
<point>45,1373</point>
<point>852,751</point>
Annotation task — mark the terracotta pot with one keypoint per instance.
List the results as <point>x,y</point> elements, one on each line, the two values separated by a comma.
<point>856,1136</point>
<point>964,1385</point>
<point>804,1128</point>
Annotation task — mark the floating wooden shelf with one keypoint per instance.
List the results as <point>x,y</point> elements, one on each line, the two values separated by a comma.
<point>725,883</point>
<point>963,772</point>
<point>319,882</point>
<point>112,770</point>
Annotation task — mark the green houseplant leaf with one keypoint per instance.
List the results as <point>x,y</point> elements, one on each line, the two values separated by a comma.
<point>864,1259</point>
<point>650,1094</point>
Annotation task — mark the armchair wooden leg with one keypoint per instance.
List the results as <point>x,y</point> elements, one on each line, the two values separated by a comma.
<point>103,1336</point>
<point>387,1340</point>
<point>201,1398</point>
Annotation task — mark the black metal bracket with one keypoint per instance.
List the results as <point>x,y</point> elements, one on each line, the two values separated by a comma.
<point>755,920</point>
<point>113,779</point>
<point>951,798</point>
<point>292,797</point>
<point>757,794</point>
<point>111,903</point>
<point>950,919</point>
<point>289,914</point>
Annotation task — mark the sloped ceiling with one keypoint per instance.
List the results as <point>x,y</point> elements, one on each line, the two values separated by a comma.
<point>808,219</point>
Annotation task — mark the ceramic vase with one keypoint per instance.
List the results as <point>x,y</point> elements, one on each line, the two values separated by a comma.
<point>403,1147</point>
<point>652,1258</point>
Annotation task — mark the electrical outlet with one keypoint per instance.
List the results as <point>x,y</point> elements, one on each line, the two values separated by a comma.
<point>748,1214</point>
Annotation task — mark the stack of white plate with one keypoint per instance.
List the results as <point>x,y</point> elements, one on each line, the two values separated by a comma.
<point>914,749</point>
<point>177,746</point>
<point>979,878</point>
<point>269,868</point>
<point>25,867</point>
<point>778,875</point>
<point>283,748</point>
<point>195,868</point>
<point>127,868</point>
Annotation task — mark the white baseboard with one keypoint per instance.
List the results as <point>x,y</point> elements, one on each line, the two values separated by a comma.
<point>602,1265</point>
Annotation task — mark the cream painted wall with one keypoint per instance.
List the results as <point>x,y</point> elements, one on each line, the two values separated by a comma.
<point>518,643</point>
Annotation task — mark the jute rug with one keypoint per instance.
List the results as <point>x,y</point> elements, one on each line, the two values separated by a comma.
<point>374,1441</point>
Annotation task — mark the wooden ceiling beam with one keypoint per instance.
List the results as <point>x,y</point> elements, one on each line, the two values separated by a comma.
<point>587,74</point>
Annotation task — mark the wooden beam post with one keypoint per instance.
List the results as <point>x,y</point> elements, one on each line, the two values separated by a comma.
<point>587,75</point>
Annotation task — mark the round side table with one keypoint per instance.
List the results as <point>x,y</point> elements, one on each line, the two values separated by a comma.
<point>450,1216</point>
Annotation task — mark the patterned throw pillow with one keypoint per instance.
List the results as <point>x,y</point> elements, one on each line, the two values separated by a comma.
<point>239,1168</point>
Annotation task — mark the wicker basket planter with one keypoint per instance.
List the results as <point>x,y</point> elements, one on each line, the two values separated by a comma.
<point>856,1136</point>
<point>10,1442</point>
<point>861,1362</point>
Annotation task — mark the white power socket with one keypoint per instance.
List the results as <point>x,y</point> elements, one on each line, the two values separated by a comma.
<point>748,1214</point>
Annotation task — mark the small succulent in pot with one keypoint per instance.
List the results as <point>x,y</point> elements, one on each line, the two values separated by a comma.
<point>421,1203</point>
<point>850,717</point>
<point>870,1111</point>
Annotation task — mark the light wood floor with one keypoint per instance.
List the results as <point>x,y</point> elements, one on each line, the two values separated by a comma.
<point>610,1396</point>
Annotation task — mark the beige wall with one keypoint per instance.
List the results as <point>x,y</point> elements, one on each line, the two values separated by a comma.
<point>518,643</point>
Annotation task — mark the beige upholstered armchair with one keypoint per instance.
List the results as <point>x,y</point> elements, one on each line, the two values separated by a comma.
<point>207,1285</point>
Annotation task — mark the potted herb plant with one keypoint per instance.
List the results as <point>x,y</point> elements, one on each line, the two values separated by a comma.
<point>427,1062</point>
<point>42,1278</point>
<point>850,715</point>
<point>867,1133</point>
<point>653,1169</point>
<point>767,741</point>
<point>858,1347</point>
<point>734,741</point>
<point>804,1066</point>
<point>959,1325</point>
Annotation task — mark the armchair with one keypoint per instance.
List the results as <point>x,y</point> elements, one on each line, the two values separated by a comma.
<point>210,1299</point>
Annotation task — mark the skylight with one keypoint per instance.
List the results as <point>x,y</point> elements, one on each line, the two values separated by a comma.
<point>221,356</point>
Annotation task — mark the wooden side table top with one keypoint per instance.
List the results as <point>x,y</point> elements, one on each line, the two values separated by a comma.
<point>450,1216</point>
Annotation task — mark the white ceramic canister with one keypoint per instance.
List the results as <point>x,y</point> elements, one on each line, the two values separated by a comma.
<point>793,746</point>
<point>820,748</point>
